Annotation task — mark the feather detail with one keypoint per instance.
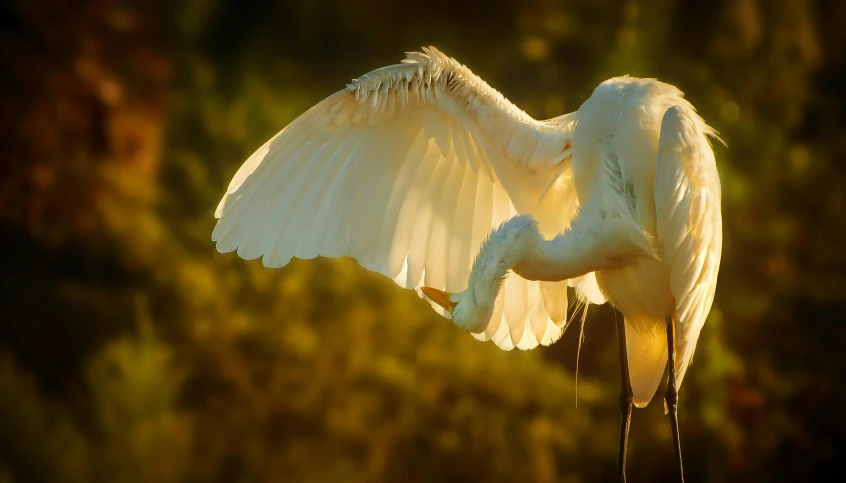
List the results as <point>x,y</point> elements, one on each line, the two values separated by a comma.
<point>403,170</point>
<point>688,223</point>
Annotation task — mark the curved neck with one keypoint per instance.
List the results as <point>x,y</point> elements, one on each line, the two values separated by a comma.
<point>591,244</point>
<point>568,255</point>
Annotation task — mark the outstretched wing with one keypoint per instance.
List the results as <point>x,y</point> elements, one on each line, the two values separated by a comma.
<point>689,224</point>
<point>407,170</point>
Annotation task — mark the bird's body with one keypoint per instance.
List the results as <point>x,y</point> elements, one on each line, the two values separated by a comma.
<point>617,155</point>
<point>417,168</point>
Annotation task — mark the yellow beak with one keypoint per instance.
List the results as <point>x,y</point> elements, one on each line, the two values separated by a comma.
<point>439,297</point>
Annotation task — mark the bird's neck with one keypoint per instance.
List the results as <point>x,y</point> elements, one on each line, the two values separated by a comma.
<point>568,255</point>
<point>592,243</point>
<point>505,248</point>
<point>589,245</point>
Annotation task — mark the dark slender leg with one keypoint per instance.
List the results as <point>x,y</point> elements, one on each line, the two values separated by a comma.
<point>625,397</point>
<point>672,398</point>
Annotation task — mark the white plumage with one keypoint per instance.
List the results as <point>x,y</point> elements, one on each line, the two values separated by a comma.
<point>407,170</point>
<point>410,168</point>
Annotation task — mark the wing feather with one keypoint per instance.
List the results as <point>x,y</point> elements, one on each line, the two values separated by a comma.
<point>369,210</point>
<point>460,237</point>
<point>443,216</point>
<point>236,203</point>
<point>502,337</point>
<point>538,318</point>
<point>516,305</point>
<point>553,301</point>
<point>395,241</point>
<point>272,199</point>
<point>423,223</point>
<point>407,170</point>
<point>689,224</point>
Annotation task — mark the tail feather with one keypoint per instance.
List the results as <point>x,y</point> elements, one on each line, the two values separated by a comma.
<point>646,347</point>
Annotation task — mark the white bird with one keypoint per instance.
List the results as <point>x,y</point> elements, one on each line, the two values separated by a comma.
<point>415,167</point>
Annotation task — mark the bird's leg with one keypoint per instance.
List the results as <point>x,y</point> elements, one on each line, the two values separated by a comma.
<point>672,397</point>
<point>625,397</point>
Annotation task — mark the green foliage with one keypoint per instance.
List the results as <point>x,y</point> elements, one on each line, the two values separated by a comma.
<point>38,439</point>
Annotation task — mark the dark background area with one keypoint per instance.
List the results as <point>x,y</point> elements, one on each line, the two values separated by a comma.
<point>131,351</point>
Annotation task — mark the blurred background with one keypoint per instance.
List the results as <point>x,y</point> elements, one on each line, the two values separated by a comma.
<point>130,351</point>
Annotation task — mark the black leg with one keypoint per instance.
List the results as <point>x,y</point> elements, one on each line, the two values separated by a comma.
<point>672,398</point>
<point>625,398</point>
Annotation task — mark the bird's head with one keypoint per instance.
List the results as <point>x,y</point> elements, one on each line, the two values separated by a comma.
<point>473,308</point>
<point>468,312</point>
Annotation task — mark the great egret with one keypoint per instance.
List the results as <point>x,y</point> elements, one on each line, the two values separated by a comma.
<point>415,167</point>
